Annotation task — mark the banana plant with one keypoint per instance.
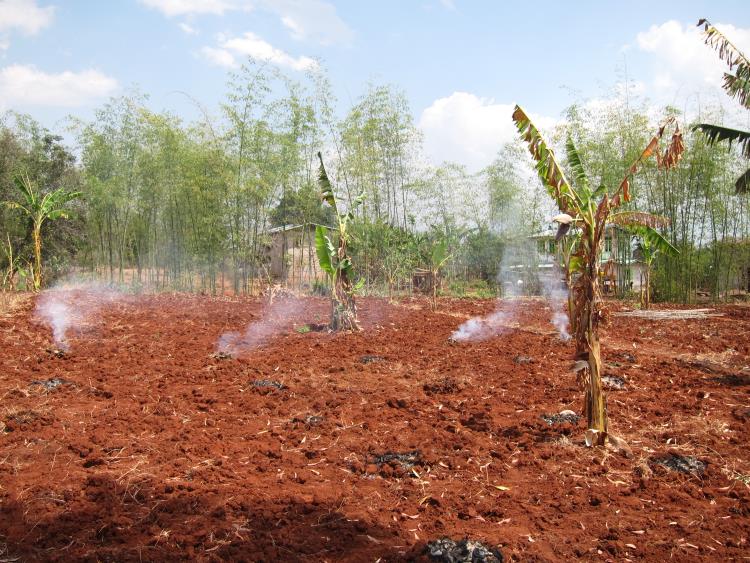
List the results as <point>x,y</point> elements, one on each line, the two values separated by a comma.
<point>439,257</point>
<point>651,244</point>
<point>335,260</point>
<point>39,208</point>
<point>736,85</point>
<point>589,210</point>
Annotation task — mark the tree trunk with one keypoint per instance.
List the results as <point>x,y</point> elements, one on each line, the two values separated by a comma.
<point>588,350</point>
<point>37,257</point>
<point>343,307</point>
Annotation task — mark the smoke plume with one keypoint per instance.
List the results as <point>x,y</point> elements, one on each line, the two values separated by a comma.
<point>554,290</point>
<point>276,318</point>
<point>514,277</point>
<point>69,307</point>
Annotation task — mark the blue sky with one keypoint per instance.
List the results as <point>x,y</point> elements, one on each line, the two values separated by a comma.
<point>461,63</point>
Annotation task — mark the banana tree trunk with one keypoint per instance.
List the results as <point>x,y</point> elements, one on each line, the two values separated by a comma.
<point>343,307</point>
<point>571,298</point>
<point>588,350</point>
<point>433,280</point>
<point>37,234</point>
<point>647,291</point>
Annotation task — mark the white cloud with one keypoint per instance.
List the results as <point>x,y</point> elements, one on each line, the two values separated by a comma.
<point>22,86</point>
<point>25,16</point>
<point>311,20</point>
<point>306,20</point>
<point>250,45</point>
<point>681,63</point>
<point>219,57</point>
<point>188,29</point>
<point>171,8</point>
<point>467,129</point>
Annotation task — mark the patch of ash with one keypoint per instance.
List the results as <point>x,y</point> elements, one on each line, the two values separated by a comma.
<point>563,417</point>
<point>682,464</point>
<point>446,550</point>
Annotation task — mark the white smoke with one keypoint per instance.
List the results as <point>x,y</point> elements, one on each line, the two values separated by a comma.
<point>70,306</point>
<point>520,274</point>
<point>513,275</point>
<point>482,328</point>
<point>553,288</point>
<point>275,319</point>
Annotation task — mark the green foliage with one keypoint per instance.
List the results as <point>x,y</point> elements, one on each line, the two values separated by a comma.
<point>651,243</point>
<point>325,250</point>
<point>38,208</point>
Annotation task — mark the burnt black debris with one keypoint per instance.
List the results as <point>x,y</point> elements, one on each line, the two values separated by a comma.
<point>732,380</point>
<point>445,550</point>
<point>613,382</point>
<point>310,420</point>
<point>221,355</point>
<point>268,383</point>
<point>407,459</point>
<point>683,464</point>
<point>561,418</point>
<point>371,358</point>
<point>50,384</point>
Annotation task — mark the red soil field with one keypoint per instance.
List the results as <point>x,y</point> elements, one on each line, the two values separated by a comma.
<point>154,449</point>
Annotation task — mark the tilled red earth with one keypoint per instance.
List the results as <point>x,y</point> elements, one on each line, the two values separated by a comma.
<point>151,448</point>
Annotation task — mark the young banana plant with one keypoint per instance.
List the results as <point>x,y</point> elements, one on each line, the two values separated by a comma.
<point>39,208</point>
<point>651,244</point>
<point>335,260</point>
<point>589,210</point>
<point>438,259</point>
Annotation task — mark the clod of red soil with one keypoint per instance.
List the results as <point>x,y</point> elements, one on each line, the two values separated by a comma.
<point>158,452</point>
<point>742,414</point>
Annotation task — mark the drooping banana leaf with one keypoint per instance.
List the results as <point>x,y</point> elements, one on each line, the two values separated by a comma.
<point>547,167</point>
<point>742,185</point>
<point>576,164</point>
<point>439,255</point>
<point>326,189</point>
<point>324,249</point>
<point>716,134</point>
<point>654,241</point>
<point>638,219</point>
<point>669,160</point>
<point>737,85</point>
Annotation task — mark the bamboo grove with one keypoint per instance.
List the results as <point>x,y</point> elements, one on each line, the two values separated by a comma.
<point>169,204</point>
